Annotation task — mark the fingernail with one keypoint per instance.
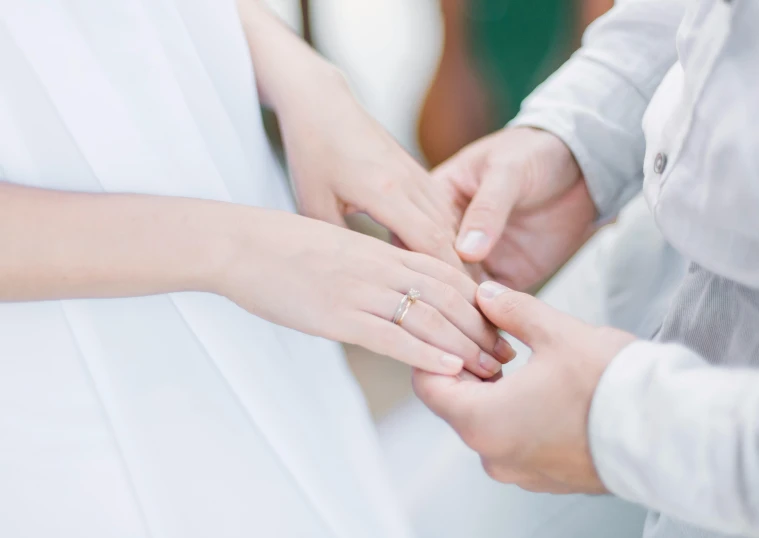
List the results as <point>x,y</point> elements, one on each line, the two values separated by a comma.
<point>489,364</point>
<point>472,242</point>
<point>452,363</point>
<point>490,289</point>
<point>504,350</point>
<point>465,375</point>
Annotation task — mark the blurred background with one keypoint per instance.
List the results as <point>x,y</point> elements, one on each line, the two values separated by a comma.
<point>437,74</point>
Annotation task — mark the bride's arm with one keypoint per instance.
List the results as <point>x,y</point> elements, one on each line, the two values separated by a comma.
<point>291,270</point>
<point>341,159</point>
<point>60,245</point>
<point>286,66</point>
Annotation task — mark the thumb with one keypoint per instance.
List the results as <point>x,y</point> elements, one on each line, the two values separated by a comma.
<point>523,316</point>
<point>486,216</point>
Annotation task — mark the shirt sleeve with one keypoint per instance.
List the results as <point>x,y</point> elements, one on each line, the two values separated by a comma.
<point>671,432</point>
<point>595,102</point>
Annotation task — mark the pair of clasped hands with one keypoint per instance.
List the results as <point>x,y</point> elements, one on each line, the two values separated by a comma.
<point>506,211</point>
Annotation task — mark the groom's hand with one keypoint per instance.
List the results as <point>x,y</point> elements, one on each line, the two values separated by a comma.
<point>531,427</point>
<point>522,204</point>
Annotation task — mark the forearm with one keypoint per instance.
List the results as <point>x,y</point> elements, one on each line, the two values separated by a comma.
<point>679,436</point>
<point>287,69</point>
<point>59,245</point>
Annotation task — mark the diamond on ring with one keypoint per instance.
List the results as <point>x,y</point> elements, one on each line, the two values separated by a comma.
<point>409,299</point>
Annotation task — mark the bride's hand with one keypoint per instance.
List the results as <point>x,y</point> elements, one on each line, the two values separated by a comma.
<point>342,161</point>
<point>341,285</point>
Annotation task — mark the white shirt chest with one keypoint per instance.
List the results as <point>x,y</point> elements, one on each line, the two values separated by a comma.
<point>702,143</point>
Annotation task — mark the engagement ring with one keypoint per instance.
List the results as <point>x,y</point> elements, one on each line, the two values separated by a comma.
<point>410,298</point>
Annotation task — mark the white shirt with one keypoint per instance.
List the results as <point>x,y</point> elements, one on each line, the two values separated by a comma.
<point>664,95</point>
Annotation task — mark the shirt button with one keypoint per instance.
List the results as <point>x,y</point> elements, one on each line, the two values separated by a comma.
<point>660,163</point>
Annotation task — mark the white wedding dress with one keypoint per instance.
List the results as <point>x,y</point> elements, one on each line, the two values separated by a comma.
<point>172,416</point>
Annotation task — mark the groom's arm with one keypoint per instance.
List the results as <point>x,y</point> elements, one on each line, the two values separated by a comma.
<point>595,102</point>
<point>677,435</point>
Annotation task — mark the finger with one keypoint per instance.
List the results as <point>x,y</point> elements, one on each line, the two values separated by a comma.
<point>429,325</point>
<point>463,315</point>
<point>486,216</point>
<point>466,375</point>
<point>496,377</point>
<point>431,205</point>
<point>504,351</point>
<point>386,338</point>
<point>460,171</point>
<point>417,231</point>
<point>396,242</point>
<point>440,198</point>
<point>523,316</point>
<point>442,272</point>
<point>466,287</point>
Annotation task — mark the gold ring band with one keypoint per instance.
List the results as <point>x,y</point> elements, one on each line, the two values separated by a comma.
<point>405,305</point>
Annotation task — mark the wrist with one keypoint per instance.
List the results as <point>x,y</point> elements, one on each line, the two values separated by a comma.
<point>224,238</point>
<point>244,245</point>
<point>318,84</point>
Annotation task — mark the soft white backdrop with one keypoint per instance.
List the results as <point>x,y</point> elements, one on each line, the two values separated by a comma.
<point>387,48</point>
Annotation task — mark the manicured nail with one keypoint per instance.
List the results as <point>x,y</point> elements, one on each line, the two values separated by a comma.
<point>452,363</point>
<point>491,290</point>
<point>489,364</point>
<point>472,242</point>
<point>504,350</point>
<point>465,375</point>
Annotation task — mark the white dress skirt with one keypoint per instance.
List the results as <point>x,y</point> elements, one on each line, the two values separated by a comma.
<point>171,416</point>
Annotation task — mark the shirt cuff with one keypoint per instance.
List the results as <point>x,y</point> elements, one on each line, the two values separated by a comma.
<point>608,426</point>
<point>603,133</point>
<point>670,432</point>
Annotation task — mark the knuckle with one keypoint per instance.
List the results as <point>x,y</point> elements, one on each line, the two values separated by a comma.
<point>433,320</point>
<point>437,239</point>
<point>386,185</point>
<point>386,339</point>
<point>483,210</point>
<point>472,354</point>
<point>423,313</point>
<point>511,302</point>
<point>449,298</point>
<point>453,277</point>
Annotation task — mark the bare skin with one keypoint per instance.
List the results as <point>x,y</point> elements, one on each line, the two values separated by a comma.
<point>293,270</point>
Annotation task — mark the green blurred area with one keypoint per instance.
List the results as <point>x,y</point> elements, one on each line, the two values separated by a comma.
<point>517,44</point>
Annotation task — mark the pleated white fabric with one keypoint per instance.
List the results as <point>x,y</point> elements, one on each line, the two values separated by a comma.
<point>173,416</point>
